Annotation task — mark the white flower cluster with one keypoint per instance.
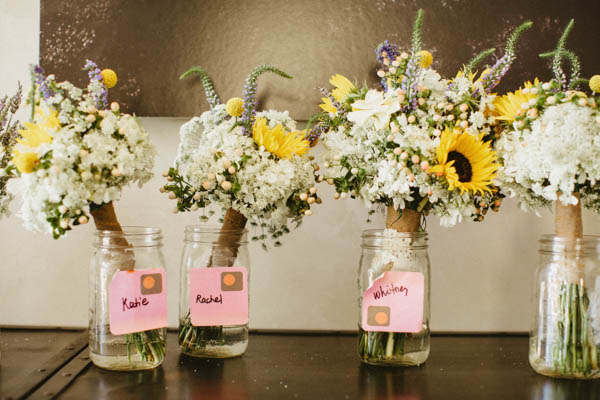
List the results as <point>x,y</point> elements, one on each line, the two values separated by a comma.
<point>554,156</point>
<point>91,156</point>
<point>385,154</point>
<point>220,166</point>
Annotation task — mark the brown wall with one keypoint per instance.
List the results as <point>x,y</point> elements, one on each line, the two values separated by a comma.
<point>150,43</point>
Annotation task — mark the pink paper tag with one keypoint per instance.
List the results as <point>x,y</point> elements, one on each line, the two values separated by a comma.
<point>219,296</point>
<point>394,303</point>
<point>137,301</point>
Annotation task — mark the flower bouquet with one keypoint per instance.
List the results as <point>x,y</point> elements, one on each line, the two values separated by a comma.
<point>550,151</point>
<point>72,161</point>
<point>254,166</point>
<point>420,145</point>
<point>8,139</point>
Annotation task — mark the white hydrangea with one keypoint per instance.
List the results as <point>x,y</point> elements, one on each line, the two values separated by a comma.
<point>362,146</point>
<point>265,182</point>
<point>558,154</point>
<point>82,168</point>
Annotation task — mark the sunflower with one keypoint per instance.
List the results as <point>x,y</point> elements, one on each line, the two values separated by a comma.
<point>508,107</point>
<point>343,87</point>
<point>466,162</point>
<point>277,141</point>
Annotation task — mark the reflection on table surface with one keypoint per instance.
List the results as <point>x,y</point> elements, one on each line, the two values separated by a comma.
<point>287,366</point>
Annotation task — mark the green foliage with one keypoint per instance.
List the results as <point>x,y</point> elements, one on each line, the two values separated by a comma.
<point>211,94</point>
<point>514,37</point>
<point>558,55</point>
<point>478,59</point>
<point>575,78</point>
<point>416,35</point>
<point>250,92</point>
<point>258,71</point>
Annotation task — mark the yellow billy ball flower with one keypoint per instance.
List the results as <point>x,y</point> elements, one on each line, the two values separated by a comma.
<point>110,78</point>
<point>426,58</point>
<point>25,162</point>
<point>595,83</point>
<point>235,106</point>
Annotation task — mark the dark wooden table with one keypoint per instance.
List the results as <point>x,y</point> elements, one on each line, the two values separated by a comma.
<point>283,366</point>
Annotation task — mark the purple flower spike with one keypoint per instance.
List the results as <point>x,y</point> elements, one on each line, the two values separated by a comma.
<point>95,74</point>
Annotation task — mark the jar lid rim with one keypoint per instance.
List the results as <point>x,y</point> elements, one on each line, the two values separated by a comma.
<point>379,233</point>
<point>211,228</point>
<point>549,238</point>
<point>128,230</point>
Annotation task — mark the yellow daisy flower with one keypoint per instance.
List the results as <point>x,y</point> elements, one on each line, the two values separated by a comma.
<point>327,105</point>
<point>277,141</point>
<point>466,162</point>
<point>343,87</point>
<point>25,162</point>
<point>39,132</point>
<point>508,107</point>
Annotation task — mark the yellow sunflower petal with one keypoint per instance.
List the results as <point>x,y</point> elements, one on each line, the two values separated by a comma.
<point>279,142</point>
<point>327,105</point>
<point>457,148</point>
<point>343,87</point>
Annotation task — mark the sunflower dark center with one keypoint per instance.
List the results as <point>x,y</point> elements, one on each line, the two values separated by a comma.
<point>461,165</point>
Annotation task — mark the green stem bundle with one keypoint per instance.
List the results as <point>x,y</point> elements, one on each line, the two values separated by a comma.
<point>197,338</point>
<point>574,352</point>
<point>150,345</point>
<point>381,346</point>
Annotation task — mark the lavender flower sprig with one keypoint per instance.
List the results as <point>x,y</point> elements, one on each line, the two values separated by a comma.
<point>410,82</point>
<point>386,50</point>
<point>207,83</point>
<point>95,74</point>
<point>557,55</point>
<point>501,67</point>
<point>249,95</point>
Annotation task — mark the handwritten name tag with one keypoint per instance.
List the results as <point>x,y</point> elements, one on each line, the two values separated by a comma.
<point>219,296</point>
<point>137,301</point>
<point>394,303</point>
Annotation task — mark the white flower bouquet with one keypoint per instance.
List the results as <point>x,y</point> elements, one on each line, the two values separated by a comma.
<point>422,143</point>
<point>77,154</point>
<point>72,161</point>
<point>550,151</point>
<point>253,165</point>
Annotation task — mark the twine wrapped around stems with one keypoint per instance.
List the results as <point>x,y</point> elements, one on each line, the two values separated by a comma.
<point>105,219</point>
<point>409,221</point>
<point>226,249</point>
<point>567,219</point>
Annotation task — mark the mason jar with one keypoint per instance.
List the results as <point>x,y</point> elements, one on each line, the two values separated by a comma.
<point>213,293</point>
<point>565,336</point>
<point>128,299</point>
<point>393,280</point>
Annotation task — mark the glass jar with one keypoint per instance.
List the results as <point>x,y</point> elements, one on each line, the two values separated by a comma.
<point>213,302</point>
<point>127,299</point>
<point>565,337</point>
<point>393,280</point>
